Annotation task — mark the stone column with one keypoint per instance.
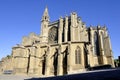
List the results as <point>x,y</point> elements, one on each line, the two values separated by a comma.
<point>60,30</point>
<point>40,67</point>
<point>110,45</point>
<point>66,29</point>
<point>73,19</point>
<point>92,47</point>
<point>69,57</point>
<point>47,64</point>
<point>103,57</point>
<point>31,65</point>
<point>74,27</point>
<point>71,27</point>
<point>112,60</point>
<point>83,56</point>
<point>38,60</point>
<point>32,60</point>
<point>88,54</point>
<point>60,64</point>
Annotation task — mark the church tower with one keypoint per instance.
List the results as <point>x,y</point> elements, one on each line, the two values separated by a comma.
<point>44,26</point>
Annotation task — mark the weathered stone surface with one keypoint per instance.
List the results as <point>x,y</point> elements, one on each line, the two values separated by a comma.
<point>65,46</point>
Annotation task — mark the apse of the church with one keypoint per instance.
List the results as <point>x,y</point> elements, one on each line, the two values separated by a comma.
<point>64,46</point>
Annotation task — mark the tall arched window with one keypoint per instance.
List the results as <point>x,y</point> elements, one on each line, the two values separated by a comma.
<point>78,55</point>
<point>53,35</point>
<point>96,44</point>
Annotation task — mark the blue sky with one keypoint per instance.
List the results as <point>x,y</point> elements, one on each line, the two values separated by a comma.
<point>20,17</point>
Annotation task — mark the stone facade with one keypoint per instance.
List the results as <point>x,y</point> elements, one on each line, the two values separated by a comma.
<point>6,64</point>
<point>65,46</point>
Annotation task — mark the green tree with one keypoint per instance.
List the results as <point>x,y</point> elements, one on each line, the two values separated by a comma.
<point>8,56</point>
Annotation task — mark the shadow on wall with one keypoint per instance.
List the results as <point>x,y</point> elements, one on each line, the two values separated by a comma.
<point>111,74</point>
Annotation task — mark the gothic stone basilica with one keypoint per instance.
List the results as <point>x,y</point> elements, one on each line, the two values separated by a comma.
<point>64,46</point>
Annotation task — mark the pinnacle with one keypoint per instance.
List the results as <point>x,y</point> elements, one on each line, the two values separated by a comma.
<point>46,12</point>
<point>46,15</point>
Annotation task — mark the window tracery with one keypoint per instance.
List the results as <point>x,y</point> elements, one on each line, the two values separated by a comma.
<point>78,55</point>
<point>53,35</point>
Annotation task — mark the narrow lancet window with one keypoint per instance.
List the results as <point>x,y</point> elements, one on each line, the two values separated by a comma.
<point>77,55</point>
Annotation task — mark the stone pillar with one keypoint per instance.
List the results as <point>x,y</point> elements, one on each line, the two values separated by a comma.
<point>73,19</point>
<point>60,62</point>
<point>38,60</point>
<point>69,57</point>
<point>60,30</point>
<point>66,29</point>
<point>110,45</point>
<point>102,55</point>
<point>88,54</point>
<point>75,31</point>
<point>71,27</point>
<point>47,64</point>
<point>92,47</point>
<point>83,56</point>
<point>73,24</point>
<point>31,65</point>
<point>32,60</point>
<point>112,60</point>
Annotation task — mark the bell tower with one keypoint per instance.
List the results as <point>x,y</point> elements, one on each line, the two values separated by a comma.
<point>44,26</point>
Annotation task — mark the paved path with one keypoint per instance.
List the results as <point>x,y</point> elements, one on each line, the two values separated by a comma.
<point>110,74</point>
<point>13,77</point>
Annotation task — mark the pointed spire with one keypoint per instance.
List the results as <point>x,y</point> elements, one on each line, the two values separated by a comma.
<point>46,11</point>
<point>45,15</point>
